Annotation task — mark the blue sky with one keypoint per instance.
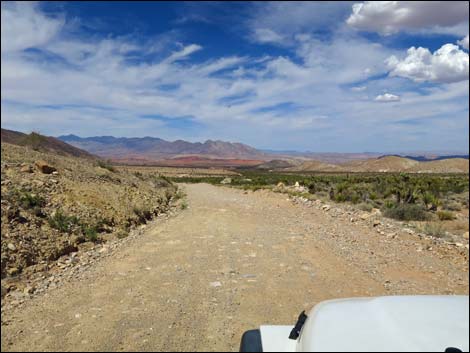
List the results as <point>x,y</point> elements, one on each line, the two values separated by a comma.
<point>318,76</point>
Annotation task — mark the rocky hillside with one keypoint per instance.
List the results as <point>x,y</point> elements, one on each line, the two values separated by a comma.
<point>53,205</point>
<point>151,148</point>
<point>42,143</point>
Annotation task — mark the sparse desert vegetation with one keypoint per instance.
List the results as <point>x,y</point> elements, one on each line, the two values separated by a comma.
<point>400,196</point>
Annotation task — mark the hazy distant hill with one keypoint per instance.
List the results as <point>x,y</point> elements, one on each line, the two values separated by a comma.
<point>429,158</point>
<point>389,164</point>
<point>152,148</point>
<point>42,143</point>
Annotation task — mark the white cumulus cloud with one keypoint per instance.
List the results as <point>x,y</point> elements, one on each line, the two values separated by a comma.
<point>387,97</point>
<point>387,17</point>
<point>464,42</point>
<point>445,65</point>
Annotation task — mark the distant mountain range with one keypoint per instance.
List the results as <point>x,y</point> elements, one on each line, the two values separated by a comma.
<point>158,152</point>
<point>151,149</point>
<point>156,149</point>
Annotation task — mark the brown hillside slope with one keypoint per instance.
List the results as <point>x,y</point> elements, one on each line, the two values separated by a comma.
<point>43,143</point>
<point>391,164</point>
<point>385,164</point>
<point>451,165</point>
<point>46,216</point>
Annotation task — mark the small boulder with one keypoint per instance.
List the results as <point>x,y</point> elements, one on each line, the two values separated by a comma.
<point>44,167</point>
<point>465,235</point>
<point>326,207</point>
<point>26,169</point>
<point>11,247</point>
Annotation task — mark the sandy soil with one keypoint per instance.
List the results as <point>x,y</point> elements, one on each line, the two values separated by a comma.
<point>228,263</point>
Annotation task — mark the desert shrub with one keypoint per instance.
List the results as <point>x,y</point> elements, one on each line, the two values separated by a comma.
<point>143,214</point>
<point>28,200</point>
<point>184,205</point>
<point>365,207</point>
<point>34,140</point>
<point>179,195</point>
<point>120,234</point>
<point>406,212</point>
<point>435,230</point>
<point>161,181</point>
<point>102,224</point>
<point>355,198</point>
<point>431,200</point>
<point>62,222</point>
<point>106,165</point>
<point>452,206</point>
<point>445,215</point>
<point>90,233</point>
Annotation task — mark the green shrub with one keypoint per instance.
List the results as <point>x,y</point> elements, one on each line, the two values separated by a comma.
<point>106,165</point>
<point>355,198</point>
<point>184,205</point>
<point>34,139</point>
<point>406,212</point>
<point>28,200</point>
<point>90,233</point>
<point>445,215</point>
<point>63,222</point>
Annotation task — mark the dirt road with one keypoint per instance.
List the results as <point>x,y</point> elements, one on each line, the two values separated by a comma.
<point>228,263</point>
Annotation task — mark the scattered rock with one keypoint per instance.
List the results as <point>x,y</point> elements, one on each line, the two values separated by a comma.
<point>465,235</point>
<point>226,181</point>
<point>326,207</point>
<point>44,167</point>
<point>364,216</point>
<point>215,284</point>
<point>28,290</point>
<point>26,169</point>
<point>13,271</point>
<point>11,247</point>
